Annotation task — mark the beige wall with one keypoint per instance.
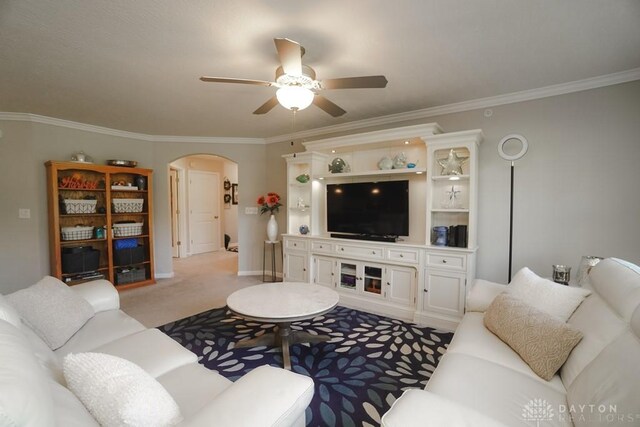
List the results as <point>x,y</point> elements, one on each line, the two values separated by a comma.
<point>25,146</point>
<point>576,190</point>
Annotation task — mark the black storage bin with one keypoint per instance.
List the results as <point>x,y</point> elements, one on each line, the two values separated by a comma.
<point>125,276</point>
<point>80,259</point>
<point>129,256</point>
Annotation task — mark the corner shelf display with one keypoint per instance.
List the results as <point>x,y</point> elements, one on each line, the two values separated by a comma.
<point>100,223</point>
<point>452,181</point>
<point>303,204</point>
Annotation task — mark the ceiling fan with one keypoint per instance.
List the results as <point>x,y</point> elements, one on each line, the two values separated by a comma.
<point>297,84</point>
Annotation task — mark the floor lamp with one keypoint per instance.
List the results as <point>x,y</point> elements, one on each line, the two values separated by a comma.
<point>511,148</point>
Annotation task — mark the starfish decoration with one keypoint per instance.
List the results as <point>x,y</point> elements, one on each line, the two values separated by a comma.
<point>452,165</point>
<point>453,197</point>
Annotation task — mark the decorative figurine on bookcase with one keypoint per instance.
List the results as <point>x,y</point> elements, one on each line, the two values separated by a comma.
<point>452,165</point>
<point>451,200</point>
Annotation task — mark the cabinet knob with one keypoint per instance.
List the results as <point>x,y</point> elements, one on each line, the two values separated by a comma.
<point>295,244</point>
<point>321,246</point>
<point>425,290</point>
<point>401,256</point>
<point>342,249</point>
<point>444,261</point>
<point>388,284</point>
<point>373,252</point>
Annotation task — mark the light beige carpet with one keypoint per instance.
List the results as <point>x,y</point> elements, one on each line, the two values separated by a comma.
<point>201,282</point>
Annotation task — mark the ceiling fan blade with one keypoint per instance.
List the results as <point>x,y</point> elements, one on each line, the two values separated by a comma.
<point>230,80</point>
<point>355,82</point>
<point>290,54</point>
<point>328,106</point>
<point>267,106</point>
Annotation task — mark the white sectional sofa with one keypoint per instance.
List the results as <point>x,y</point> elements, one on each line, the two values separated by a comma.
<point>33,391</point>
<point>481,381</point>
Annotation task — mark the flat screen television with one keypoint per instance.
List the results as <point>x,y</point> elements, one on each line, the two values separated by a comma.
<point>369,208</point>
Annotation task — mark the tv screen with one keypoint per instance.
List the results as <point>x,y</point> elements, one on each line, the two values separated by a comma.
<point>371,208</point>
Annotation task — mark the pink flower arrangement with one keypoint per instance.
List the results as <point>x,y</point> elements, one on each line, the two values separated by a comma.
<point>270,203</point>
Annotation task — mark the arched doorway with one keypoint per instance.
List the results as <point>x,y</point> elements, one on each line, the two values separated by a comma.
<point>204,214</point>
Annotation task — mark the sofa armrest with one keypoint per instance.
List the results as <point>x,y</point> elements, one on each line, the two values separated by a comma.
<point>266,396</point>
<point>482,293</point>
<point>421,408</point>
<point>101,294</point>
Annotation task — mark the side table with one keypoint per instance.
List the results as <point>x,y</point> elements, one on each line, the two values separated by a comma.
<point>273,246</point>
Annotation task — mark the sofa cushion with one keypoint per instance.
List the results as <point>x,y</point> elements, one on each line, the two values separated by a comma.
<point>118,392</point>
<point>152,350</point>
<point>542,340</point>
<point>193,387</point>
<point>610,381</point>
<point>556,299</point>
<point>25,399</point>
<point>103,328</point>
<point>618,283</point>
<point>68,409</point>
<point>434,410</point>
<point>493,390</point>
<point>599,325</point>
<point>474,339</point>
<point>46,357</point>
<point>52,310</point>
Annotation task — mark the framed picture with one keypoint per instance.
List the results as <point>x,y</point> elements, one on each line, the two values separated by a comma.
<point>234,194</point>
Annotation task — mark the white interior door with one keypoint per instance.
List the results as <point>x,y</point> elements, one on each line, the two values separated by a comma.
<point>204,212</point>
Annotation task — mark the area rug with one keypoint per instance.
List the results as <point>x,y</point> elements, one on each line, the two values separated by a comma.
<point>368,363</point>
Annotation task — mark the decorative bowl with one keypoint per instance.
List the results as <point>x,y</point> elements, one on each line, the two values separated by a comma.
<point>125,163</point>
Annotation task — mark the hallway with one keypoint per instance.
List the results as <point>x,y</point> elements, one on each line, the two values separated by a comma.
<point>201,282</point>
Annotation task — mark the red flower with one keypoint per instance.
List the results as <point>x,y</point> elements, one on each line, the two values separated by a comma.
<point>272,200</point>
<point>261,200</point>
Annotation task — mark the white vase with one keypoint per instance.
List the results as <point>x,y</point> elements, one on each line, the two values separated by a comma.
<point>272,229</point>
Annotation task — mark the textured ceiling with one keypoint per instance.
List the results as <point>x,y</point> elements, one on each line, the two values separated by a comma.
<point>134,65</point>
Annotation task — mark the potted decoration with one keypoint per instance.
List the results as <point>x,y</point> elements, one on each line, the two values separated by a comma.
<point>270,203</point>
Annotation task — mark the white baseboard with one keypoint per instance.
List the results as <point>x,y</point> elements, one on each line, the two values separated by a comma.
<point>165,275</point>
<point>433,320</point>
<point>258,273</point>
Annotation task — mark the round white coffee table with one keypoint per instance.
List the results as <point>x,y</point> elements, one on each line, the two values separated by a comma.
<point>282,303</point>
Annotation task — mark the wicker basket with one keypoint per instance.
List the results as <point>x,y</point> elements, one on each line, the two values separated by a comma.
<point>127,205</point>
<point>72,206</point>
<point>77,233</point>
<point>129,229</point>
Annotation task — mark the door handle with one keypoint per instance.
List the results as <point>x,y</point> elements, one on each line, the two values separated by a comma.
<point>215,217</point>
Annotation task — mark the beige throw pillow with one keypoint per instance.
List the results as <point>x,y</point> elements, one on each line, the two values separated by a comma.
<point>543,341</point>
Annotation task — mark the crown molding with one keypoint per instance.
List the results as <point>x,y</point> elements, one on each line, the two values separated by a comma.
<point>35,118</point>
<point>458,107</point>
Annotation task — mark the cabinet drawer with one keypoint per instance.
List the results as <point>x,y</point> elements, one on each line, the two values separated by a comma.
<point>296,245</point>
<point>403,255</point>
<point>322,247</point>
<point>370,252</point>
<point>454,262</point>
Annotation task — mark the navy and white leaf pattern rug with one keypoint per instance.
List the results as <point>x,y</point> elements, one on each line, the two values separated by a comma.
<point>368,363</point>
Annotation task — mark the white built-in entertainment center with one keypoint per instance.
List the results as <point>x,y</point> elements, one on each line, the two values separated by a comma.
<point>411,278</point>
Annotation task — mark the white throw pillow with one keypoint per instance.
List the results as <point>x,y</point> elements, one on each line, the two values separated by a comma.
<point>556,299</point>
<point>118,392</point>
<point>52,310</point>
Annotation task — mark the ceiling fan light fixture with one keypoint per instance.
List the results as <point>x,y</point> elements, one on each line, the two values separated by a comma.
<point>294,97</point>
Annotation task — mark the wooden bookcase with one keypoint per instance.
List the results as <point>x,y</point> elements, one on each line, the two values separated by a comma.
<point>77,181</point>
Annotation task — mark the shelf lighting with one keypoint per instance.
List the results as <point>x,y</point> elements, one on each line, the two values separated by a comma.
<point>419,173</point>
<point>406,143</point>
<point>454,178</point>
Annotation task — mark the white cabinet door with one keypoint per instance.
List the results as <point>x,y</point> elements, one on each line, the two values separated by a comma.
<point>295,267</point>
<point>444,292</point>
<point>399,285</point>
<point>323,271</point>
